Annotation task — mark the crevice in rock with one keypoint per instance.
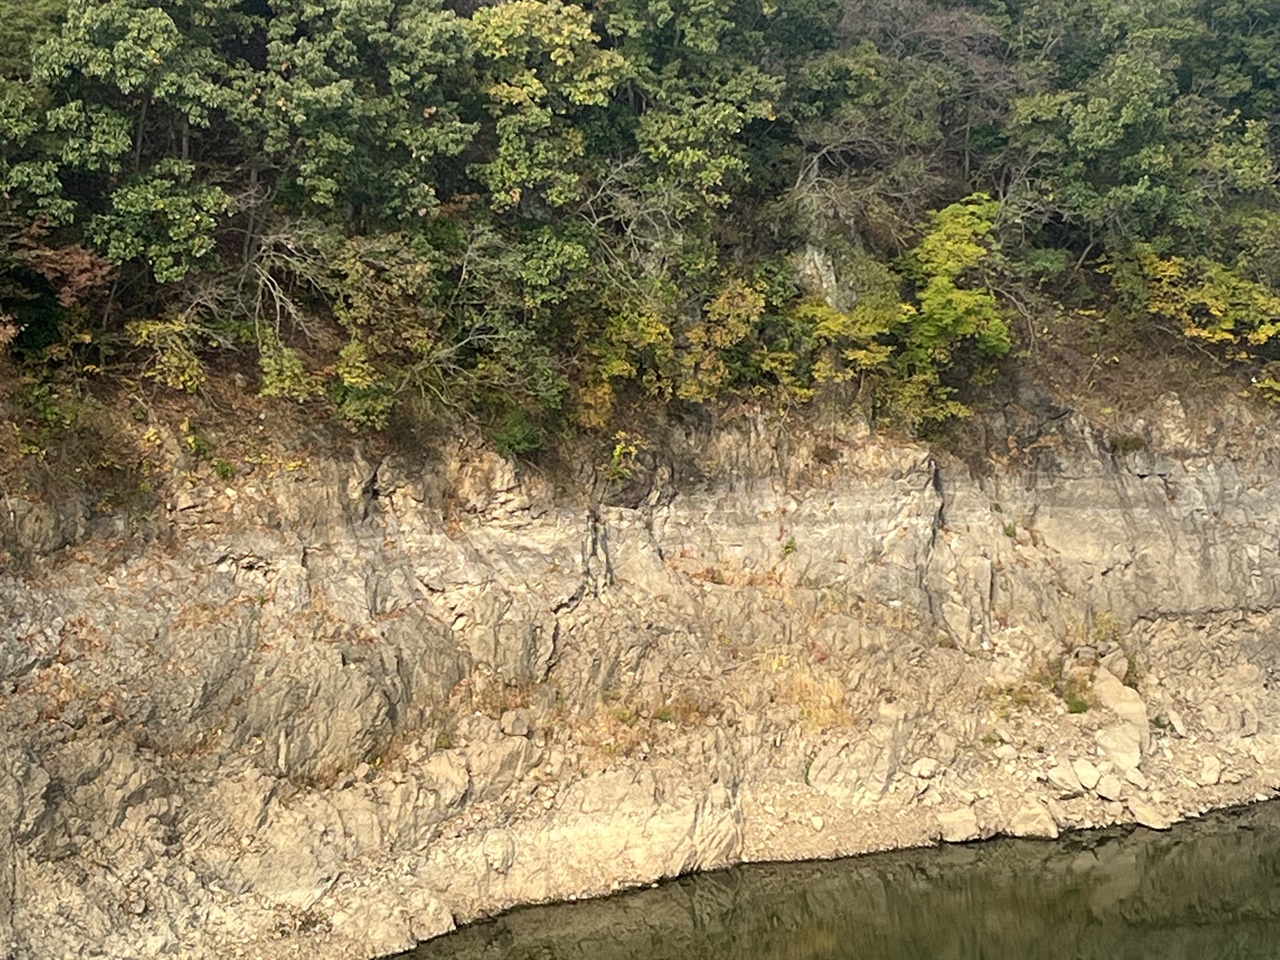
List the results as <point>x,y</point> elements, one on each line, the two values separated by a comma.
<point>596,561</point>
<point>369,493</point>
<point>938,522</point>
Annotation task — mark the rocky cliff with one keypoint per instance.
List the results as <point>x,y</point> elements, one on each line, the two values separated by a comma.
<point>1208,890</point>
<point>336,705</point>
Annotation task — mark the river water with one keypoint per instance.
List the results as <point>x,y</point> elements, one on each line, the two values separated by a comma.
<point>1208,890</point>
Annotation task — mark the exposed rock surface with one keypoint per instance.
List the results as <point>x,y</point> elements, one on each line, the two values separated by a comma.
<point>959,826</point>
<point>1033,820</point>
<point>339,706</point>
<point>1148,815</point>
<point>1205,891</point>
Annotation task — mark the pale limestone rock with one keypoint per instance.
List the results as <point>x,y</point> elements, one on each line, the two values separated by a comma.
<point>1086,773</point>
<point>1064,779</point>
<point>516,723</point>
<point>308,636</point>
<point>946,748</point>
<point>499,849</point>
<point>925,768</point>
<point>1116,663</point>
<point>296,867</point>
<point>1210,771</point>
<point>959,826</point>
<point>1220,720</point>
<point>816,273</point>
<point>1248,722</point>
<point>1109,787</point>
<point>1125,703</point>
<point>11,803</point>
<point>1121,745</point>
<point>428,916</point>
<point>381,925</point>
<point>1056,809</point>
<point>445,773</point>
<point>1033,820</point>
<point>1148,814</point>
<point>496,766</point>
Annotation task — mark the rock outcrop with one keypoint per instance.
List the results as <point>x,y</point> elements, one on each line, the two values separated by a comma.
<point>340,706</point>
<point>1207,891</point>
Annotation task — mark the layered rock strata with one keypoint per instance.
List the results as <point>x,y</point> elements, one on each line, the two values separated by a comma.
<point>333,707</point>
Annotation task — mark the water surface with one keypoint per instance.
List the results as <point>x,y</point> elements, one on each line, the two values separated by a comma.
<point>1204,891</point>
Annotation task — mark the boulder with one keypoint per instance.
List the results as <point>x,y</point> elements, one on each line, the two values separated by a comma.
<point>1125,703</point>
<point>1033,820</point>
<point>1122,745</point>
<point>959,826</point>
<point>925,768</point>
<point>1148,815</point>
<point>1210,771</point>
<point>1086,773</point>
<point>1063,778</point>
<point>1110,787</point>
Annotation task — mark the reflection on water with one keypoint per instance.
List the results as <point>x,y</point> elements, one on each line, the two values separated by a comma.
<point>1208,891</point>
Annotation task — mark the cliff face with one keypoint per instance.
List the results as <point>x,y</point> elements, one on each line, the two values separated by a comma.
<point>1207,890</point>
<point>341,705</point>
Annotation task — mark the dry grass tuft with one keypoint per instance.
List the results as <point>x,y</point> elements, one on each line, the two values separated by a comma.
<point>818,697</point>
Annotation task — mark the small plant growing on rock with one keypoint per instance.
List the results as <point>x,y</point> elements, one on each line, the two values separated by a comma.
<point>195,441</point>
<point>1106,630</point>
<point>709,575</point>
<point>688,710</point>
<point>1123,444</point>
<point>1076,694</point>
<point>622,460</point>
<point>493,697</point>
<point>1075,703</point>
<point>625,715</point>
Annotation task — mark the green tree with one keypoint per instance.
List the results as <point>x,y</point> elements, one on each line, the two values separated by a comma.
<point>541,67</point>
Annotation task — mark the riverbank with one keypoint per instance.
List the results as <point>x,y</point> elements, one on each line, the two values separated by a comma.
<point>334,704</point>
<point>1203,891</point>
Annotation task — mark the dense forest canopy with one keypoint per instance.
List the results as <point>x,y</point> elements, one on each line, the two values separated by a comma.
<point>539,211</point>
